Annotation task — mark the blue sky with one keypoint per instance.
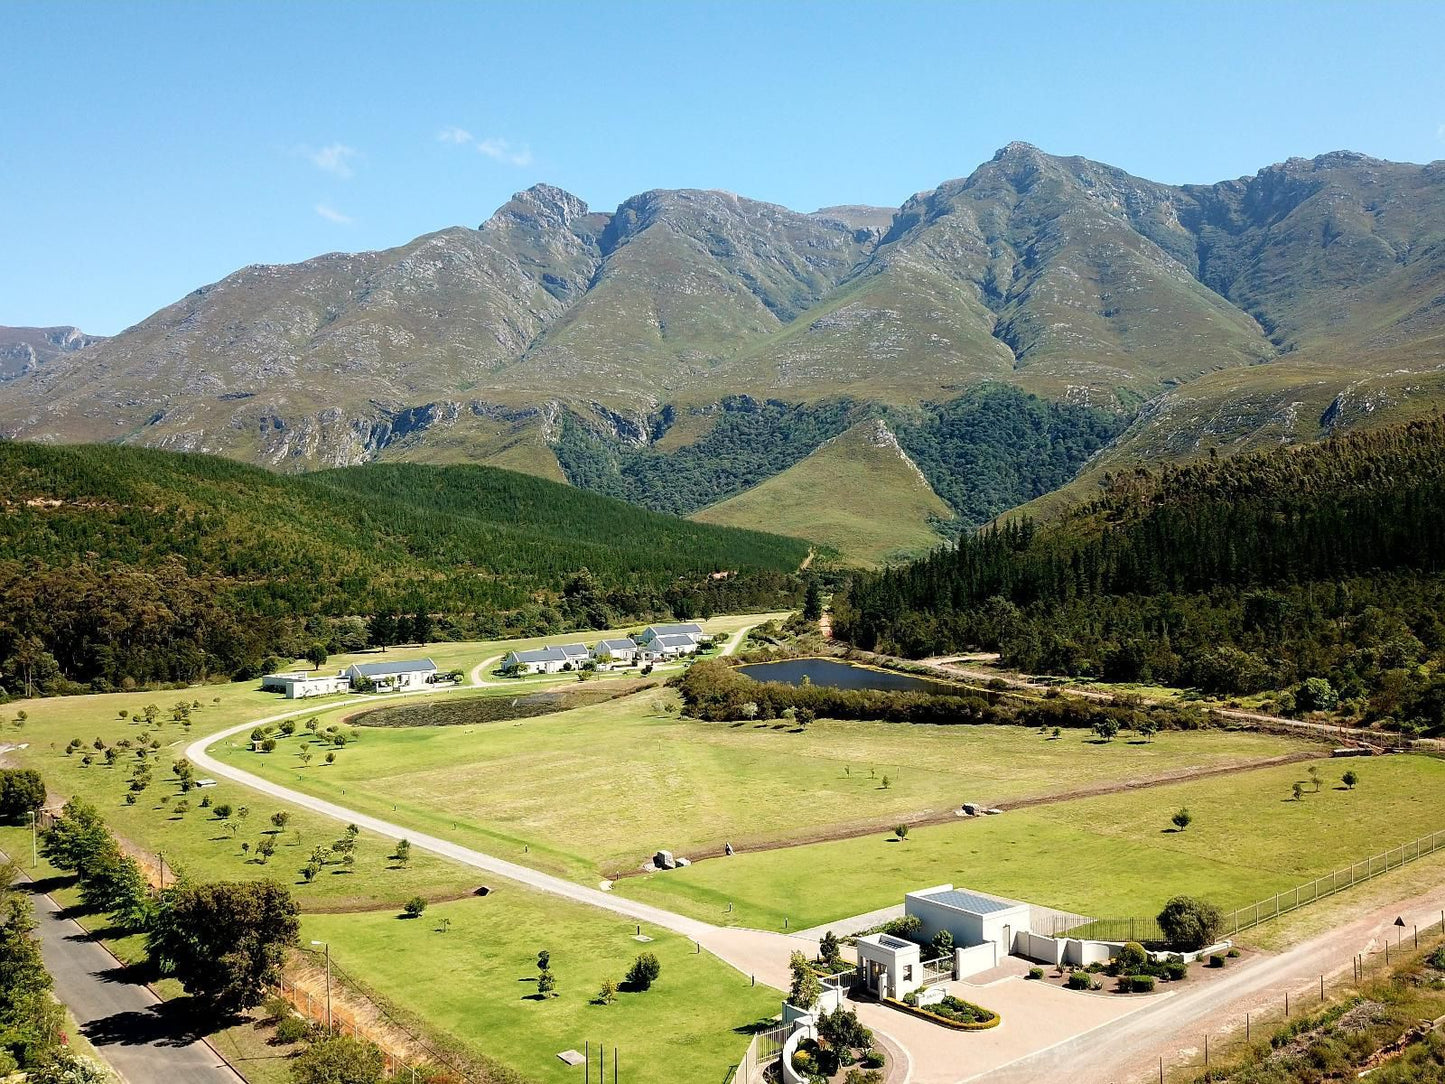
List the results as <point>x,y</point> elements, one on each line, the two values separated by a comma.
<point>149,148</point>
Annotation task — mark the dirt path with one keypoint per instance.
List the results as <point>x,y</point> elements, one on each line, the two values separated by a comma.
<point>949,666</point>
<point>808,560</point>
<point>481,668</point>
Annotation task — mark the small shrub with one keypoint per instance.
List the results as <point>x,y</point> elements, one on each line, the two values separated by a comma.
<point>1216,960</point>
<point>1082,980</point>
<point>1036,972</point>
<point>414,907</point>
<point>290,1029</point>
<point>804,1062</point>
<point>1174,970</point>
<point>643,972</point>
<point>608,994</point>
<point>1132,957</point>
<point>1136,984</point>
<point>1233,954</point>
<point>873,1059</point>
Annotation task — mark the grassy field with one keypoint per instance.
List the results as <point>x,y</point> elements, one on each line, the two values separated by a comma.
<point>857,496</point>
<point>1114,855</point>
<point>476,981</point>
<point>595,791</point>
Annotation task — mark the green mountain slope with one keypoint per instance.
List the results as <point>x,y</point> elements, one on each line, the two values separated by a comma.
<point>132,563</point>
<point>858,494</point>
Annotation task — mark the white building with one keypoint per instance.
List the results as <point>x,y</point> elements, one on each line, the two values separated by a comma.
<point>547,660</point>
<point>889,966</point>
<point>305,684</point>
<point>615,652</point>
<point>576,654</point>
<point>394,676</point>
<point>983,927</point>
<point>652,632</point>
<point>670,646</point>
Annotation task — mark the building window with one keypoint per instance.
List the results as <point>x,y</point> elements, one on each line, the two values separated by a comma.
<point>907,972</point>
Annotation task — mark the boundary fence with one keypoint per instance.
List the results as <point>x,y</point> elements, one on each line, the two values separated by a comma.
<point>1272,907</point>
<point>765,1048</point>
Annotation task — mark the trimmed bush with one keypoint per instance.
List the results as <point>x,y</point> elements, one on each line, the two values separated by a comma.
<point>1136,984</point>
<point>1036,972</point>
<point>873,1059</point>
<point>1175,970</point>
<point>1082,980</point>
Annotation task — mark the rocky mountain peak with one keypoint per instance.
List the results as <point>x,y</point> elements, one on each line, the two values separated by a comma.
<point>545,205</point>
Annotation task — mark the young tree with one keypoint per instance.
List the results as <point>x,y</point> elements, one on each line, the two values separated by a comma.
<point>608,994</point>
<point>829,950</point>
<point>414,907</point>
<point>804,989</point>
<point>1182,818</point>
<point>942,944</point>
<point>643,972</point>
<point>266,848</point>
<point>317,655</point>
<point>280,819</point>
<point>1350,778</point>
<point>546,984</point>
<point>1107,728</point>
<point>1298,789</point>
<point>225,941</point>
<point>901,831</point>
<point>1314,777</point>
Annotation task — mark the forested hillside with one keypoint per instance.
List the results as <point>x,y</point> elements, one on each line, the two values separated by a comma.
<point>1234,576</point>
<point>130,565</point>
<point>984,452</point>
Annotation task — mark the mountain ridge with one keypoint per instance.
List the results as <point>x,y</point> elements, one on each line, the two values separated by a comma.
<point>1067,278</point>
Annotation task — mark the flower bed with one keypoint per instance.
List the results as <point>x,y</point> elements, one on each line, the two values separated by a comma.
<point>952,1012</point>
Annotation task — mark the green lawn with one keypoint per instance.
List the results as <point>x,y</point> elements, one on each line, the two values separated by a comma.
<point>477,980</point>
<point>593,791</point>
<point>1107,856</point>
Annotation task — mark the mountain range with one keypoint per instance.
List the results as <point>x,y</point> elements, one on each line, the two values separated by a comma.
<point>1141,321</point>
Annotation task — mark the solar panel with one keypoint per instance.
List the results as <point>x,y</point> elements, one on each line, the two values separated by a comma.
<point>971,901</point>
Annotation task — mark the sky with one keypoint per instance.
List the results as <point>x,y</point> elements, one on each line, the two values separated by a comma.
<point>150,148</point>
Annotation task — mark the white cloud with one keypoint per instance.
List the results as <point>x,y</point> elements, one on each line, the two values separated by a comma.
<point>331,214</point>
<point>494,147</point>
<point>335,158</point>
<point>502,151</point>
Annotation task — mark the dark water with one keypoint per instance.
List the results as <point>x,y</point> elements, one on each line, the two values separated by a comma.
<point>843,675</point>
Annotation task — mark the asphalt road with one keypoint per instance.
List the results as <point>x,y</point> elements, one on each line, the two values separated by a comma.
<point>123,1020</point>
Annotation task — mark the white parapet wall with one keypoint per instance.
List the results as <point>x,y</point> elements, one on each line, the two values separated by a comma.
<point>974,959</point>
<point>1033,946</point>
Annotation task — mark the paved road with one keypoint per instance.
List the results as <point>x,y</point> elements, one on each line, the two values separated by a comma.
<point>125,1022</point>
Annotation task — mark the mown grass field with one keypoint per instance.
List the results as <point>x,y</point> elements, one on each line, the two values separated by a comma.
<point>477,981</point>
<point>595,791</point>
<point>1108,856</point>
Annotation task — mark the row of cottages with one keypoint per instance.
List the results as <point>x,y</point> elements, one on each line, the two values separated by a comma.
<point>387,677</point>
<point>657,643</point>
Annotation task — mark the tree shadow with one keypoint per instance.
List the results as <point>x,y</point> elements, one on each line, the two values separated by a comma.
<point>173,1024</point>
<point>1170,831</point>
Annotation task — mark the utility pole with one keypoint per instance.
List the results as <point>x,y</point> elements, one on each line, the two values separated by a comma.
<point>34,857</point>
<point>327,946</point>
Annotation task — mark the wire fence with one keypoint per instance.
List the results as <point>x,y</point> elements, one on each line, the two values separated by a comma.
<point>1297,1001</point>
<point>408,1055</point>
<point>1264,910</point>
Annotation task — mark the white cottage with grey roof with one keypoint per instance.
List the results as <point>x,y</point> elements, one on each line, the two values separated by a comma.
<point>539,660</point>
<point>670,646</point>
<point>393,676</point>
<point>652,632</point>
<point>615,652</point>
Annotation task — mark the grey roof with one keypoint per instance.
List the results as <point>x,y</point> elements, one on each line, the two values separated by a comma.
<point>540,654</point>
<point>572,649</point>
<point>691,627</point>
<point>615,645</point>
<point>678,640</point>
<point>971,901</point>
<point>895,943</point>
<point>386,669</point>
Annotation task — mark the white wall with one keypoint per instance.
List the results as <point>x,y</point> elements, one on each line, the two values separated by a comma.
<point>1047,950</point>
<point>970,961</point>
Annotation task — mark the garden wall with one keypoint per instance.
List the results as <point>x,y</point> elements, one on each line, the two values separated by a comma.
<point>972,960</point>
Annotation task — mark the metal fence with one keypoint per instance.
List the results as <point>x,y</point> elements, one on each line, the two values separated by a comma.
<point>1281,903</point>
<point>937,970</point>
<point>765,1048</point>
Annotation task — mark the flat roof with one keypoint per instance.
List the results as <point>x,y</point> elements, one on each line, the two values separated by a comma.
<point>895,943</point>
<point>973,902</point>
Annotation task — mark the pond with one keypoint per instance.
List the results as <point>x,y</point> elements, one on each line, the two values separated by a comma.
<point>844,675</point>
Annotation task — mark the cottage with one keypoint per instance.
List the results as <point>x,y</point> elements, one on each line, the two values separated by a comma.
<point>670,646</point>
<point>615,652</point>
<point>393,676</point>
<point>541,660</point>
<point>576,654</point>
<point>983,927</point>
<point>306,684</point>
<point>652,632</point>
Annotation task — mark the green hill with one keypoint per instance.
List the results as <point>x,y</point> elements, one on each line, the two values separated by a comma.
<point>127,563</point>
<point>1236,576</point>
<point>858,494</point>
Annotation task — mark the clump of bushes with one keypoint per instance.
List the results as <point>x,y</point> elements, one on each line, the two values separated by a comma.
<point>1136,984</point>
<point>1190,924</point>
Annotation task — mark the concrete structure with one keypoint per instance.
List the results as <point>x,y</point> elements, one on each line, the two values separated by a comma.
<point>889,966</point>
<point>615,652</point>
<point>299,686</point>
<point>394,676</point>
<point>973,918</point>
<point>652,632</point>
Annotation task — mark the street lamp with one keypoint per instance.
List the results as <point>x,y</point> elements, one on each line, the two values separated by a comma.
<point>327,946</point>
